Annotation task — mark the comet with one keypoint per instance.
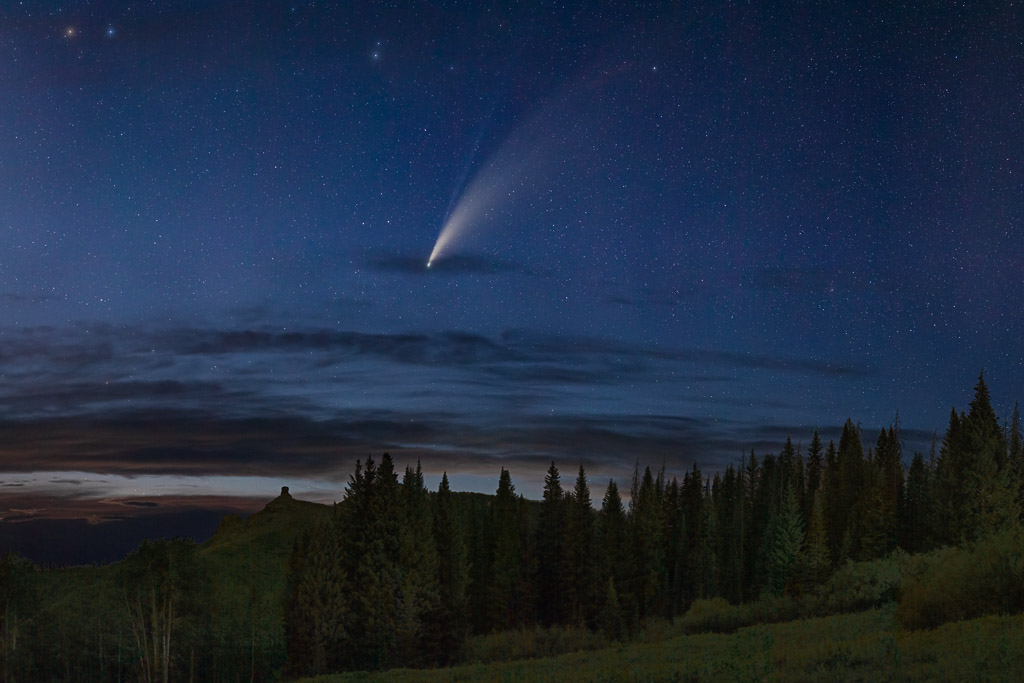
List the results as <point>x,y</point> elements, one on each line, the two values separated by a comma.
<point>526,163</point>
<point>494,187</point>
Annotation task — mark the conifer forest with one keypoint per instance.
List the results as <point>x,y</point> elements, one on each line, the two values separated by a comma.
<point>397,576</point>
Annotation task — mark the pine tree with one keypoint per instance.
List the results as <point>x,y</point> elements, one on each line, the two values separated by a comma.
<point>848,487</point>
<point>884,485</point>
<point>505,595</point>
<point>991,503</point>
<point>673,528</point>
<point>813,564</point>
<point>705,579</point>
<point>645,523</point>
<point>370,552</point>
<point>552,571</point>
<point>612,625</point>
<point>917,525</point>
<point>580,542</point>
<point>417,571</point>
<point>315,619</point>
<point>815,470</point>
<point>786,541</point>
<point>951,482</point>
<point>753,527</point>
<point>614,559</point>
<point>448,622</point>
<point>728,504</point>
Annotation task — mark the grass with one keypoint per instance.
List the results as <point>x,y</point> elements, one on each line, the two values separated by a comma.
<point>852,647</point>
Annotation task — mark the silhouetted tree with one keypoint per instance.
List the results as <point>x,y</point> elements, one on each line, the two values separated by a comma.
<point>583,596</point>
<point>448,622</point>
<point>315,619</point>
<point>417,570</point>
<point>551,585</point>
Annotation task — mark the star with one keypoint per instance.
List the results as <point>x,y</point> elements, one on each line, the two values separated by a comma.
<point>70,32</point>
<point>111,32</point>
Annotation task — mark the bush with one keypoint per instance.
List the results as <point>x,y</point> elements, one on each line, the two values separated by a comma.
<point>530,643</point>
<point>981,579</point>
<point>859,586</point>
<point>719,616</point>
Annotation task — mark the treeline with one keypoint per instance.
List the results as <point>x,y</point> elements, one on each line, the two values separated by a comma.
<point>400,579</point>
<point>395,575</point>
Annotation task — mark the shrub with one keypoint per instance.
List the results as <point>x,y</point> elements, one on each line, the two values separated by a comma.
<point>718,616</point>
<point>984,578</point>
<point>858,586</point>
<point>530,643</point>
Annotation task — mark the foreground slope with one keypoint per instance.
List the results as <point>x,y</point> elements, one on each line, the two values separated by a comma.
<point>856,647</point>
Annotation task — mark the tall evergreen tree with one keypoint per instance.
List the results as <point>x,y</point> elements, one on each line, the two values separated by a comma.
<point>552,571</point>
<point>448,623</point>
<point>815,469</point>
<point>614,559</point>
<point>315,618</point>
<point>786,541</point>
<point>813,563</point>
<point>506,593</point>
<point>991,502</point>
<point>846,509</point>
<point>753,527</point>
<point>645,522</point>
<point>580,546</point>
<point>951,467</point>
<point>370,543</point>
<point>917,524</point>
<point>728,504</point>
<point>417,571</point>
<point>883,488</point>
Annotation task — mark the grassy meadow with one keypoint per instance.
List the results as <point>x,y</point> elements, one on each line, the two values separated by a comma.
<point>866,646</point>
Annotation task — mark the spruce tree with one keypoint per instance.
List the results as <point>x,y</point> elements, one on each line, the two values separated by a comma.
<point>786,541</point>
<point>614,559</point>
<point>952,488</point>
<point>417,571</point>
<point>648,551</point>
<point>315,618</point>
<point>448,621</point>
<point>551,584</point>
<point>580,542</point>
<point>370,551</point>
<point>813,563</point>
<point>917,524</point>
<point>883,487</point>
<point>728,502</point>
<point>849,488</point>
<point>991,503</point>
<point>505,609</point>
<point>815,469</point>
<point>612,625</point>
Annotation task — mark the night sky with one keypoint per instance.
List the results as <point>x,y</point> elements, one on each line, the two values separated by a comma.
<point>671,233</point>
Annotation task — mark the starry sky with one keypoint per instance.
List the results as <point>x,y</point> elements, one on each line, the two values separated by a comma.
<point>672,233</point>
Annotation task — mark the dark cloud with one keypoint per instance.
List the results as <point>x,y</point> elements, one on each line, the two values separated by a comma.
<point>193,445</point>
